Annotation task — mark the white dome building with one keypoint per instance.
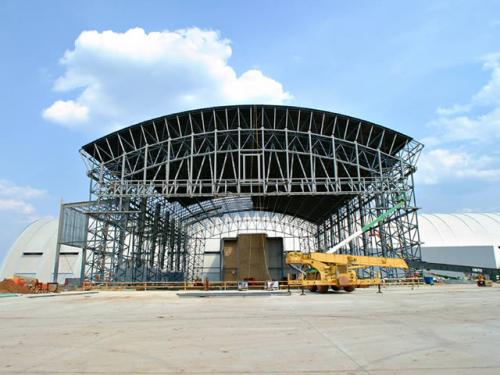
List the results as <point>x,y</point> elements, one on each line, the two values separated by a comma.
<point>460,242</point>
<point>469,240</point>
<point>33,254</point>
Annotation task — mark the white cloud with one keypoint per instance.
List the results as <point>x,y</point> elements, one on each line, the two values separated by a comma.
<point>478,120</point>
<point>457,108</point>
<point>481,128</point>
<point>122,78</point>
<point>17,199</point>
<point>66,112</point>
<point>8,189</point>
<point>16,205</point>
<point>490,93</point>
<point>440,165</point>
<point>463,144</point>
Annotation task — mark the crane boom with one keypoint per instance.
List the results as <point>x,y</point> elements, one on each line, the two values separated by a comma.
<point>345,260</point>
<point>368,226</point>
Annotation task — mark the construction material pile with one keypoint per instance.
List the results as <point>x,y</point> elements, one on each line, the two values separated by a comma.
<point>10,286</point>
<point>24,286</point>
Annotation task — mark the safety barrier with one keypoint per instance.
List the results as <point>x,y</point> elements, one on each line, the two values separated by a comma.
<point>219,285</point>
<point>403,281</point>
<point>182,285</point>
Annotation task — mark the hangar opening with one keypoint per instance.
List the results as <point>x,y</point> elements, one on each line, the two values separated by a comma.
<point>168,195</point>
<point>252,256</point>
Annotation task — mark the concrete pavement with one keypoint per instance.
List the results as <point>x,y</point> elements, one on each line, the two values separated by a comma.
<point>429,330</point>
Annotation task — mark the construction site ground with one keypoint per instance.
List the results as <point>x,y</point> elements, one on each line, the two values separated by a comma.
<point>452,329</point>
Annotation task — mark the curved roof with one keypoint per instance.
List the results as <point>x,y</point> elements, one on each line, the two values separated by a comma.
<point>33,253</point>
<point>295,161</point>
<point>464,229</point>
<point>182,123</point>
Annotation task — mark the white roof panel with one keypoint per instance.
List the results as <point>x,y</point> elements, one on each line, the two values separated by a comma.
<point>468,229</point>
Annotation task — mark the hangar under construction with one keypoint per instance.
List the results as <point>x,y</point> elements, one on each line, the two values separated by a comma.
<point>169,194</point>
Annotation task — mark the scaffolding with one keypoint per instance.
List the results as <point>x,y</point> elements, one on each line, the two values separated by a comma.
<point>159,189</point>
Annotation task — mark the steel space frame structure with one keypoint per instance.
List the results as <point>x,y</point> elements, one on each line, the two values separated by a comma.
<point>160,188</point>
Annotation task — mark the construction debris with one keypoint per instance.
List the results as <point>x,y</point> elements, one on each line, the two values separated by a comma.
<point>27,286</point>
<point>11,286</point>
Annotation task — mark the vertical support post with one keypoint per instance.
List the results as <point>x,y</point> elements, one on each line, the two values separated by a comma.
<point>167,166</point>
<point>287,154</point>
<point>311,163</point>
<point>349,226</point>
<point>144,174</point>
<point>122,227</point>
<point>262,160</point>
<point>164,240</point>
<point>191,164</point>
<point>339,227</point>
<point>58,245</point>
<point>380,170</point>
<point>358,171</point>
<point>325,237</point>
<point>413,201</point>
<point>362,222</point>
<point>84,252</point>
<point>154,237</point>
<point>332,233</point>
<point>214,176</point>
<point>335,171</point>
<point>318,239</point>
<point>122,180</point>
<point>238,177</point>
<point>101,174</point>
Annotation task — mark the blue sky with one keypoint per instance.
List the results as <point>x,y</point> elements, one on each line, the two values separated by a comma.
<point>71,71</point>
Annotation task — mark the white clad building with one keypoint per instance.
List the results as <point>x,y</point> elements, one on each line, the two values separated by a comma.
<point>471,240</point>
<point>33,253</point>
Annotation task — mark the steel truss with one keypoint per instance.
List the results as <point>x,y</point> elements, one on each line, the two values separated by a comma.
<point>160,188</point>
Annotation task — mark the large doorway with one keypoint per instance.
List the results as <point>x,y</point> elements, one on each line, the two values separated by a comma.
<point>252,257</point>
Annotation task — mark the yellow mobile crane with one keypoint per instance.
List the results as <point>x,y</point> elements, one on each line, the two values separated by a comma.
<point>319,271</point>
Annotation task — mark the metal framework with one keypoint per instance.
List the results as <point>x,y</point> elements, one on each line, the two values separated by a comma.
<point>160,188</point>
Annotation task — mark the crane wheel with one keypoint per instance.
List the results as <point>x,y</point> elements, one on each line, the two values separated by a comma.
<point>313,288</point>
<point>335,288</point>
<point>349,289</point>
<point>322,289</point>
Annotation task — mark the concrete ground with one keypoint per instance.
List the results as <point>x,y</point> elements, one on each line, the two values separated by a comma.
<point>429,330</point>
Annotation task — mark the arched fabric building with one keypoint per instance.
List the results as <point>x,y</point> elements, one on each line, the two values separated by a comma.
<point>456,242</point>
<point>34,252</point>
<point>461,242</point>
<point>163,189</point>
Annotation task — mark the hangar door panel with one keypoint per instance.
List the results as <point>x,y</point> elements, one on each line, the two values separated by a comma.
<point>252,254</point>
<point>230,268</point>
<point>252,257</point>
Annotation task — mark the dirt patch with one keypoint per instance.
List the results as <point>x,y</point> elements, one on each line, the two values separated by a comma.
<point>9,286</point>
